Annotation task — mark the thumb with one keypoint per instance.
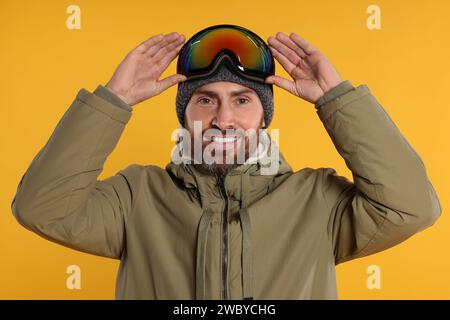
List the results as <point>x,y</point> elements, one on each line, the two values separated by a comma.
<point>282,83</point>
<point>171,80</point>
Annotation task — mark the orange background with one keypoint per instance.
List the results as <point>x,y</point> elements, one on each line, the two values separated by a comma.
<point>44,64</point>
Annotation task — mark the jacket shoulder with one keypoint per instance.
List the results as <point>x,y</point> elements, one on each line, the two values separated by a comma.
<point>322,179</point>
<point>308,173</point>
<point>139,172</point>
<point>136,168</point>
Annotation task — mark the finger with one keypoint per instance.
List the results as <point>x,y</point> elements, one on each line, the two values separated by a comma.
<point>168,39</point>
<point>157,52</point>
<point>305,45</point>
<point>290,44</point>
<point>285,51</point>
<point>167,50</point>
<point>148,43</point>
<point>164,60</point>
<point>285,62</point>
<point>170,81</point>
<point>282,83</point>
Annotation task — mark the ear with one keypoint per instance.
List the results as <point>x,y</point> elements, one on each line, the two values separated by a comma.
<point>184,119</point>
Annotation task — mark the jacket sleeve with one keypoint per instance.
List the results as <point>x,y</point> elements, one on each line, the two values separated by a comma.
<point>59,196</point>
<point>391,197</point>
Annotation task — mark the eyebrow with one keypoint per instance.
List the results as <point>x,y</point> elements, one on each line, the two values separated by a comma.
<point>215,95</point>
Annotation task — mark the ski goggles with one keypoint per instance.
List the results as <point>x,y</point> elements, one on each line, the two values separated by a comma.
<point>239,48</point>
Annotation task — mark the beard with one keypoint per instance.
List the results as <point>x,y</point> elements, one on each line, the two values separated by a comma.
<point>206,158</point>
<point>222,168</point>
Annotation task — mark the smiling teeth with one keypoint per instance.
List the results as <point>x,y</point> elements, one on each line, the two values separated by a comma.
<point>224,140</point>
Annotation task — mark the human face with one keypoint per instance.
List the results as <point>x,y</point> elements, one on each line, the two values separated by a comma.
<point>225,106</point>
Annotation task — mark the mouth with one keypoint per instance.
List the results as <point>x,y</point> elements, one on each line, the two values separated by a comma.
<point>222,142</point>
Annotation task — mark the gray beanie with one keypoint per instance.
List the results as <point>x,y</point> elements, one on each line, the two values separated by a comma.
<point>186,89</point>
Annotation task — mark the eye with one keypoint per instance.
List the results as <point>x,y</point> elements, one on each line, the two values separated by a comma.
<point>203,99</point>
<point>243,99</point>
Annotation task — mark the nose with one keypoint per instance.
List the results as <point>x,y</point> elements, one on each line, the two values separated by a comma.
<point>224,118</point>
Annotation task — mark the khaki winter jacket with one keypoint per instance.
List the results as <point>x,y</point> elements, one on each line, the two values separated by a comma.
<point>181,234</point>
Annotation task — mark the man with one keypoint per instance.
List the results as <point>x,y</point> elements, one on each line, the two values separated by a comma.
<point>227,231</point>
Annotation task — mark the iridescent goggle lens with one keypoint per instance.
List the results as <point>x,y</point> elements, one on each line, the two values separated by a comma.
<point>203,52</point>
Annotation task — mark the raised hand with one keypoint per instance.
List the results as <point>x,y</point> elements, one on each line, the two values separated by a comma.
<point>311,71</point>
<point>136,78</point>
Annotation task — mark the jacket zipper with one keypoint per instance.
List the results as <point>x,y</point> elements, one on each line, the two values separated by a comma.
<point>224,240</point>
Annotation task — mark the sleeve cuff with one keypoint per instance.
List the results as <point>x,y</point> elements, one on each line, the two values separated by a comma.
<point>342,101</point>
<point>334,92</point>
<point>104,106</point>
<point>106,94</point>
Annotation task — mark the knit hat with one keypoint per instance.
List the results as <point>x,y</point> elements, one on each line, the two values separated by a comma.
<point>223,73</point>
